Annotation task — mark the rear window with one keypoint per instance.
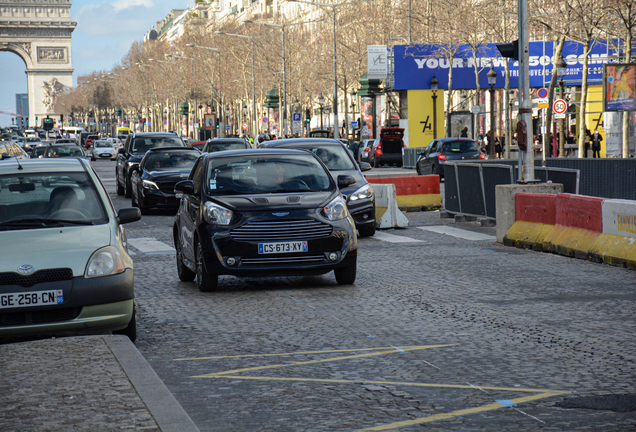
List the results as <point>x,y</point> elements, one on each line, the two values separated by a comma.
<point>212,147</point>
<point>170,160</point>
<point>464,146</point>
<point>142,145</point>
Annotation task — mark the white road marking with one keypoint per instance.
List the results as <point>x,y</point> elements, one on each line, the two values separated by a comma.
<point>150,246</point>
<point>392,238</point>
<point>459,233</point>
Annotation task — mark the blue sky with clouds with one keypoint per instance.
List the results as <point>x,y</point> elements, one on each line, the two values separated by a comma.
<point>105,30</point>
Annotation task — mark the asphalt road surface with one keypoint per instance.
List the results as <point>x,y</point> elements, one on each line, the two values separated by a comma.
<point>444,328</point>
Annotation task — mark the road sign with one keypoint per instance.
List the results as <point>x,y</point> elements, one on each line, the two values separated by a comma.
<point>475,109</point>
<point>354,125</point>
<point>244,126</point>
<point>560,106</point>
<point>559,116</point>
<point>542,93</point>
<point>296,117</point>
<point>543,104</point>
<point>227,127</point>
<point>265,120</point>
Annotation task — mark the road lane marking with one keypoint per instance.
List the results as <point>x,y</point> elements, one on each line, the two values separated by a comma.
<point>459,233</point>
<point>150,246</point>
<point>392,238</point>
<point>392,351</point>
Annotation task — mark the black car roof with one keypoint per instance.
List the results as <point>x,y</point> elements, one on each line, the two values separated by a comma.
<point>454,139</point>
<point>222,140</point>
<point>257,152</point>
<point>300,141</point>
<point>158,149</point>
<point>144,134</point>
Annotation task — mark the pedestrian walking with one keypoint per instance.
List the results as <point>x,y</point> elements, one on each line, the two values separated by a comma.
<point>498,149</point>
<point>464,132</point>
<point>596,144</point>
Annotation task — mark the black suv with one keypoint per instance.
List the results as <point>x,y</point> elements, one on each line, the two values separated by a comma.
<point>136,146</point>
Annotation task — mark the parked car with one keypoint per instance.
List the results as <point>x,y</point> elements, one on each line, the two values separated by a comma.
<point>136,146</point>
<point>359,195</point>
<point>104,149</point>
<point>65,265</point>
<point>365,150</point>
<point>159,170</point>
<point>265,212</point>
<point>435,155</point>
<point>221,144</point>
<point>10,150</point>
<point>388,148</point>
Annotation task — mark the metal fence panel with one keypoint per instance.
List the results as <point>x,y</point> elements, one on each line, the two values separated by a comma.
<point>470,189</point>
<point>451,199</point>
<point>494,175</point>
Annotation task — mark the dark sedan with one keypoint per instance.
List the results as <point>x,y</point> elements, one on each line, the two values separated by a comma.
<point>159,170</point>
<point>435,155</point>
<point>222,144</point>
<point>359,196</point>
<point>269,212</point>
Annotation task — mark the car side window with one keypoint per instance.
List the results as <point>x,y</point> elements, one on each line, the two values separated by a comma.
<point>433,148</point>
<point>196,175</point>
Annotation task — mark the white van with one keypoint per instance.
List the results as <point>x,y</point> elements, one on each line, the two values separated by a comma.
<point>72,132</point>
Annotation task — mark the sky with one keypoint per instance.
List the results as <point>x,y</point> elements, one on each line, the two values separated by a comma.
<point>105,30</point>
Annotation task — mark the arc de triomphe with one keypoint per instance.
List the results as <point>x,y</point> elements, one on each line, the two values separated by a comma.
<point>39,31</point>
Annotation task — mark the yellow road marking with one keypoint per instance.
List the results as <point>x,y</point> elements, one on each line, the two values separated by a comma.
<point>310,352</point>
<point>458,413</point>
<point>341,381</point>
<point>392,351</point>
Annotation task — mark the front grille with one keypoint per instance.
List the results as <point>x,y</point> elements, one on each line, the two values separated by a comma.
<point>38,317</point>
<point>262,261</point>
<point>40,276</point>
<point>280,230</point>
<point>167,187</point>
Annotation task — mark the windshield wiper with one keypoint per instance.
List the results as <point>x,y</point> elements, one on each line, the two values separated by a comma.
<point>42,222</point>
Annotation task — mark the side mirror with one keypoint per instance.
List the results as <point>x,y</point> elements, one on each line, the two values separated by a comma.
<point>127,215</point>
<point>365,166</point>
<point>345,180</point>
<point>184,187</point>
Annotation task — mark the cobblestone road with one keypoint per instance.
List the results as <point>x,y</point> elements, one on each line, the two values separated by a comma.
<point>436,330</point>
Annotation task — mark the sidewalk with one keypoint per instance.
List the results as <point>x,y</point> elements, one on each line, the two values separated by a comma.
<point>84,383</point>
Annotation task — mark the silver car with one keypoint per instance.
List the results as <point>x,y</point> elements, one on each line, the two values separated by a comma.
<point>65,267</point>
<point>104,149</point>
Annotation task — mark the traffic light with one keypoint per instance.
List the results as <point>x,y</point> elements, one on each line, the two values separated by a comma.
<point>510,50</point>
<point>307,115</point>
<point>47,124</point>
<point>218,126</point>
<point>144,121</point>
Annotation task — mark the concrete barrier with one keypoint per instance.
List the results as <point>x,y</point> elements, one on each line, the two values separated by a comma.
<point>387,213</point>
<point>535,216</point>
<point>617,244</point>
<point>414,193</point>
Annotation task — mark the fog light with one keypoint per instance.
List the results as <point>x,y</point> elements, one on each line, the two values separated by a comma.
<point>231,261</point>
<point>333,256</point>
<point>366,216</point>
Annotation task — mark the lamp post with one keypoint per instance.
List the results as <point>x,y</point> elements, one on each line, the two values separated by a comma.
<point>353,110</point>
<point>218,52</point>
<point>434,85</point>
<point>561,68</point>
<point>282,28</point>
<point>492,79</point>
<point>321,101</point>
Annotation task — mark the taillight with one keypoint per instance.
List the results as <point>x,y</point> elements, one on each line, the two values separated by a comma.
<point>482,156</point>
<point>378,151</point>
<point>441,156</point>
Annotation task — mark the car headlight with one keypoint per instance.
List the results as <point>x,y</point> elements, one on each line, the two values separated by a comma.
<point>336,209</point>
<point>214,213</point>
<point>130,164</point>
<point>147,184</point>
<point>365,192</point>
<point>104,262</point>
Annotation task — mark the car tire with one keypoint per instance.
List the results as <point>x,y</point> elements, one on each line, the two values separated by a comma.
<point>433,169</point>
<point>418,169</point>
<point>367,231</point>
<point>375,163</point>
<point>206,282</point>
<point>184,273</point>
<point>345,275</point>
<point>128,189</point>
<point>131,329</point>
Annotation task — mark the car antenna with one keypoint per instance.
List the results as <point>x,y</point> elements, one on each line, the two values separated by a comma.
<point>18,161</point>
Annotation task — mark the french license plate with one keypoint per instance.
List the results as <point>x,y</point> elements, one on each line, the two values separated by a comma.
<point>32,298</point>
<point>282,247</point>
<point>105,155</point>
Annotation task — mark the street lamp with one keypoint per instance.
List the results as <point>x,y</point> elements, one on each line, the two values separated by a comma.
<point>254,124</point>
<point>282,28</point>
<point>434,85</point>
<point>353,110</point>
<point>217,51</point>
<point>321,101</point>
<point>492,80</point>
<point>335,78</point>
<point>561,69</point>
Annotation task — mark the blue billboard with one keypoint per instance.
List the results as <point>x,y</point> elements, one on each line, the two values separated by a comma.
<point>415,65</point>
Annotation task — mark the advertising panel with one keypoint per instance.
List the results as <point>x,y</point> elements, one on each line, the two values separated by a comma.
<point>415,65</point>
<point>420,105</point>
<point>377,67</point>
<point>619,87</point>
<point>366,114</point>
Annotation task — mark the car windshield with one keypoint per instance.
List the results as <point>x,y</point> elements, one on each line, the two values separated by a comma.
<point>335,157</point>
<point>170,160</point>
<point>48,199</point>
<point>142,145</point>
<point>265,174</point>
<point>463,146</point>
<point>64,151</point>
<point>216,146</point>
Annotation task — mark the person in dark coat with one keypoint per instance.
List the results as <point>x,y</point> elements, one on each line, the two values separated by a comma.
<point>596,144</point>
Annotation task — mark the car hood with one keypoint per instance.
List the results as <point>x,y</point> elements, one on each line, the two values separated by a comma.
<point>41,247</point>
<point>274,201</point>
<point>167,176</point>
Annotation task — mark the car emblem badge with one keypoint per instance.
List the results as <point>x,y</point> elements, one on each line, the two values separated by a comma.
<point>281,214</point>
<point>25,269</point>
